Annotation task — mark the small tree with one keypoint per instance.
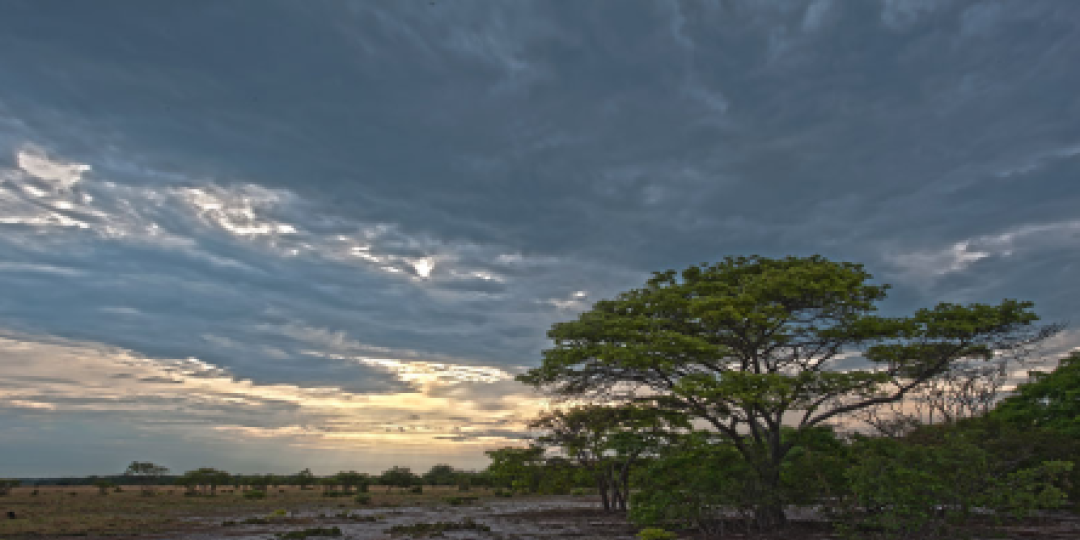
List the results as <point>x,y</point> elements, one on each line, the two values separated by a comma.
<point>401,477</point>
<point>146,474</point>
<point>752,344</point>
<point>440,475</point>
<point>104,486</point>
<point>206,480</point>
<point>304,479</point>
<point>352,479</point>
<point>608,442</point>
<point>518,468</point>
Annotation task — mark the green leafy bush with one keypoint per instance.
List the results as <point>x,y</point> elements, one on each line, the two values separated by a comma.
<point>653,533</point>
<point>461,500</point>
<point>418,530</point>
<point>255,495</point>
<point>318,531</point>
<point>362,498</point>
<point>901,489</point>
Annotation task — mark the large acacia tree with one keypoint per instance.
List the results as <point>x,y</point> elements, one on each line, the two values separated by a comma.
<point>751,344</point>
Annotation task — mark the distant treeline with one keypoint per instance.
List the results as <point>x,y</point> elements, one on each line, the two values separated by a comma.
<point>145,473</point>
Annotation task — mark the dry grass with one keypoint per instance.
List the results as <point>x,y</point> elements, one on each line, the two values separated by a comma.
<point>60,510</point>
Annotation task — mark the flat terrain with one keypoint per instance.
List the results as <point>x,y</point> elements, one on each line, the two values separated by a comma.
<point>58,512</point>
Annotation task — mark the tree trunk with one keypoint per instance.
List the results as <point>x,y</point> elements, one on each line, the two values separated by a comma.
<point>601,486</point>
<point>769,513</point>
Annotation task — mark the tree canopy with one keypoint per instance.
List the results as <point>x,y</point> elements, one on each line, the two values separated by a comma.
<point>751,344</point>
<point>1049,400</point>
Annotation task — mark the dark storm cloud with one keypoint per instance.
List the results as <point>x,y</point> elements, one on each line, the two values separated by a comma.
<point>278,188</point>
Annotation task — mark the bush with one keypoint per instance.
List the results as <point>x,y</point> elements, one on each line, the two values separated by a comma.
<point>902,489</point>
<point>500,492</point>
<point>416,490</point>
<point>437,528</point>
<point>362,498</point>
<point>652,533</point>
<point>461,500</point>
<point>582,492</point>
<point>686,484</point>
<point>255,495</point>
<point>318,531</point>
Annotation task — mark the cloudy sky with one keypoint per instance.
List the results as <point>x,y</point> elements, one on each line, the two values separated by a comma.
<point>263,235</point>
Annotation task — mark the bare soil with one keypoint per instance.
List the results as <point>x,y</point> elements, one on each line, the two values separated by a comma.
<point>55,513</point>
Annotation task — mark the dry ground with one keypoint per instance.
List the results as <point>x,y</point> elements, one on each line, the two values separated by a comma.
<point>59,512</point>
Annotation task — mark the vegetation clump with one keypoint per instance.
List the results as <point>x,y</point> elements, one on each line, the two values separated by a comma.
<point>653,533</point>
<point>317,531</point>
<point>462,500</point>
<point>418,530</point>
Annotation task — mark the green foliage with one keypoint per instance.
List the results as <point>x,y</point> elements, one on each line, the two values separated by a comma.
<point>418,530</point>
<point>653,533</point>
<point>104,486</point>
<point>304,479</point>
<point>255,494</point>
<point>352,479</point>
<point>517,468</point>
<point>1048,400</point>
<point>206,480</point>
<point>608,442</point>
<point>146,474</point>
<point>461,500</point>
<point>690,481</point>
<point>362,498</point>
<point>441,475</point>
<point>901,489</point>
<point>416,490</point>
<point>317,531</point>
<point>401,477</point>
<point>751,343</point>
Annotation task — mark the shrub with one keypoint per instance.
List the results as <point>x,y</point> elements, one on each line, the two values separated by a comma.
<point>416,489</point>
<point>500,492</point>
<point>581,492</point>
<point>436,529</point>
<point>318,531</point>
<point>255,495</point>
<point>461,500</point>
<point>362,498</point>
<point>904,489</point>
<point>653,533</point>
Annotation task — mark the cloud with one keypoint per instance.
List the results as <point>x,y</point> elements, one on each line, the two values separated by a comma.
<point>433,186</point>
<point>84,378</point>
<point>1019,242</point>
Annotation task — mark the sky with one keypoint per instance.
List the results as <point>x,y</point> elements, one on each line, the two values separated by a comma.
<point>269,235</point>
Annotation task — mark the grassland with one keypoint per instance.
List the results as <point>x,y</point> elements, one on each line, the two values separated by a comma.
<point>82,511</point>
